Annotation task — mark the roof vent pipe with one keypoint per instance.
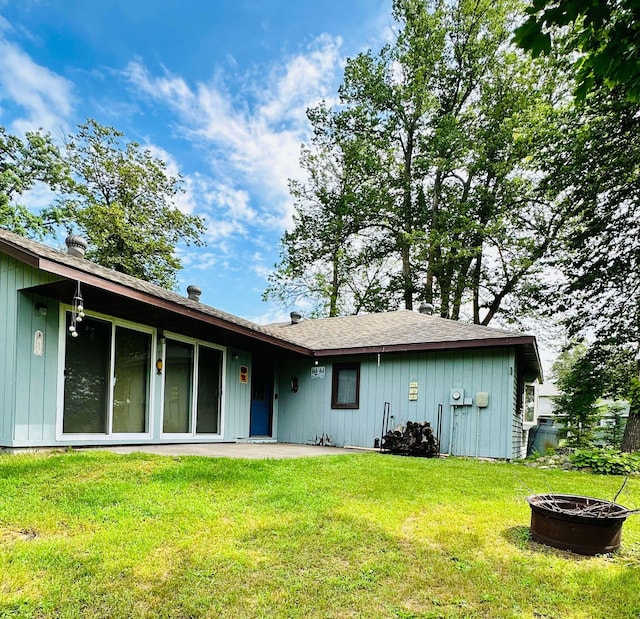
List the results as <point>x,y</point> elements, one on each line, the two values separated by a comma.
<point>426,308</point>
<point>296,317</point>
<point>76,245</point>
<point>194,293</point>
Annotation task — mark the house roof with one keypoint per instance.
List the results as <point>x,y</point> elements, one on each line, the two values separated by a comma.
<point>108,281</point>
<point>139,300</point>
<point>400,331</point>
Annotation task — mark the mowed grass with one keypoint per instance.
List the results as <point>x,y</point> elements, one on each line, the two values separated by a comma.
<point>101,535</point>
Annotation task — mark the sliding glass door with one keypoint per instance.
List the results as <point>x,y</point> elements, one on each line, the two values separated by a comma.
<point>106,378</point>
<point>86,378</point>
<point>192,388</point>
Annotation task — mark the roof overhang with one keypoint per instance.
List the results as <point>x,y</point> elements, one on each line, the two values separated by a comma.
<point>112,298</point>
<point>525,346</point>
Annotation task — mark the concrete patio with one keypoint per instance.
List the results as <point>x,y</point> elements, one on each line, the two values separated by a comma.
<point>254,451</point>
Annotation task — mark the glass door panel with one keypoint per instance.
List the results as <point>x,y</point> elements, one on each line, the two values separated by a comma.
<point>178,385</point>
<point>131,376</point>
<point>86,377</point>
<point>208,402</point>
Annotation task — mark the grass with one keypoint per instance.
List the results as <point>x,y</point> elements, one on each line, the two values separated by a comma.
<point>100,535</point>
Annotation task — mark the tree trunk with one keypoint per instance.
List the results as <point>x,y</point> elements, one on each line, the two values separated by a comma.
<point>432,251</point>
<point>631,437</point>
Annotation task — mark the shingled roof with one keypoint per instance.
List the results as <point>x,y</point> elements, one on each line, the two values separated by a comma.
<point>396,331</point>
<point>64,265</point>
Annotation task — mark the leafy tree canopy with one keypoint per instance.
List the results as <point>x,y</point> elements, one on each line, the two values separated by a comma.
<point>604,33</point>
<point>123,202</point>
<point>421,182</point>
<point>23,164</point>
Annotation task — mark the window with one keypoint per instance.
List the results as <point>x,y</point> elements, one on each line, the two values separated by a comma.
<point>345,388</point>
<point>106,378</point>
<point>529,403</point>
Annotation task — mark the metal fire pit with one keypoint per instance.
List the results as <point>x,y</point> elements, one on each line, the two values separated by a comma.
<point>580,524</point>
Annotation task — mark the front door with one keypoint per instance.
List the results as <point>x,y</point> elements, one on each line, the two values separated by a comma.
<point>260,423</point>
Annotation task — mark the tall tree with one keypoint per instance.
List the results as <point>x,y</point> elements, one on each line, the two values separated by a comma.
<point>326,259</point>
<point>124,203</point>
<point>24,164</point>
<point>453,114</point>
<point>631,437</point>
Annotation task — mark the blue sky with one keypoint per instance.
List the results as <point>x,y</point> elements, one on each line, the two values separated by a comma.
<point>218,89</point>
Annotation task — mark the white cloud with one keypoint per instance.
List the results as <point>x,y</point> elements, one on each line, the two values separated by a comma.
<point>45,97</point>
<point>256,140</point>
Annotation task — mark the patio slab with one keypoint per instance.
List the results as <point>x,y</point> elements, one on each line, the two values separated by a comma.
<point>253,451</point>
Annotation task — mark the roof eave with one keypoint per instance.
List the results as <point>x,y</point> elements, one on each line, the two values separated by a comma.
<point>524,342</point>
<point>65,271</point>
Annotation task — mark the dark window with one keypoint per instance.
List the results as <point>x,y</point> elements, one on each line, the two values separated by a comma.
<point>345,389</point>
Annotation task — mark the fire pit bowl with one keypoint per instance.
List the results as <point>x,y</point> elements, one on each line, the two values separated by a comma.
<point>580,524</point>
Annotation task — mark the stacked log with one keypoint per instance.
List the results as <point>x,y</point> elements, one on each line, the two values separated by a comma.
<point>414,439</point>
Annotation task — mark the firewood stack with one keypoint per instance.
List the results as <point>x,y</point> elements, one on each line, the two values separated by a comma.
<point>414,439</point>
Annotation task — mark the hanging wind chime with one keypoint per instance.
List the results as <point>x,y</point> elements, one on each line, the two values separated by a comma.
<point>77,311</point>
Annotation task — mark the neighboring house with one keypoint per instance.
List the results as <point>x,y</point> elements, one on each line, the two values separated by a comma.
<point>545,394</point>
<point>89,356</point>
<point>538,402</point>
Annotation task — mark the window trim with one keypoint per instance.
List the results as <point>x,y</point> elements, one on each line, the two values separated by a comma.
<point>335,379</point>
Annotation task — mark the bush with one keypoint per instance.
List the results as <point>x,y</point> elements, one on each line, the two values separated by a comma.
<point>606,461</point>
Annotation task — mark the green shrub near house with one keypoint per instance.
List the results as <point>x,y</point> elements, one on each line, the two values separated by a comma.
<point>606,461</point>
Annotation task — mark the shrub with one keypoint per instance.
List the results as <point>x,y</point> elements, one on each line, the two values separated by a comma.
<point>606,461</point>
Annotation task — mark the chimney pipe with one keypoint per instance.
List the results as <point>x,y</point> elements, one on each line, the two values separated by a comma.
<point>296,317</point>
<point>426,308</point>
<point>194,293</point>
<point>76,245</point>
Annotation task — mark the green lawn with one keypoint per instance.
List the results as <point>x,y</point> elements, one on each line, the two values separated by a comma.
<point>100,535</point>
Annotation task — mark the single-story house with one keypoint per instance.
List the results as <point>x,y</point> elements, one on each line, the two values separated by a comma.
<point>89,356</point>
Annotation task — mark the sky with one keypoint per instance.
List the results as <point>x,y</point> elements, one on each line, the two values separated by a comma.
<point>218,89</point>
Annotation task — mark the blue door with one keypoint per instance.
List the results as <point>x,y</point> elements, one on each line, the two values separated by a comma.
<point>261,401</point>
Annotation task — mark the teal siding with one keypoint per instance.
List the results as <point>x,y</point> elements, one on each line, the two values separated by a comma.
<point>36,394</point>
<point>237,397</point>
<point>29,383</point>
<point>18,321</point>
<point>307,416</point>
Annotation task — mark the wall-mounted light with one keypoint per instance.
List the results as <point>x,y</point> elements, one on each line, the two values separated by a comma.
<point>159,366</point>
<point>235,356</point>
<point>42,309</point>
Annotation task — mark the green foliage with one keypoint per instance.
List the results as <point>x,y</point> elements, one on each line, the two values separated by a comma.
<point>328,260</point>
<point>585,375</point>
<point>444,197</point>
<point>593,165</point>
<point>580,385</point>
<point>604,33</point>
<point>24,164</point>
<point>123,202</point>
<point>606,461</point>
<point>613,431</point>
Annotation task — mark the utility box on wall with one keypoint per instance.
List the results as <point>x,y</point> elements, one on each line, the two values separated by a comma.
<point>482,399</point>
<point>456,396</point>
